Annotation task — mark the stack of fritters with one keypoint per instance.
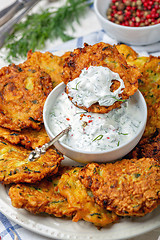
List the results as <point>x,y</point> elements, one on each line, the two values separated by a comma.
<point>23,91</point>
<point>61,195</point>
<point>149,85</point>
<point>97,193</point>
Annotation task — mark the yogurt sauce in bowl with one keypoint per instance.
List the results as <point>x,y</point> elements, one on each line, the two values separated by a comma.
<point>94,136</point>
<point>93,131</point>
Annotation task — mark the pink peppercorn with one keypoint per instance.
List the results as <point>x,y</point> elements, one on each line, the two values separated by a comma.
<point>134,13</point>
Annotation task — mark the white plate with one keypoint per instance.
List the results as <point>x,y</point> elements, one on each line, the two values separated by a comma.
<point>60,228</point>
<point>63,229</point>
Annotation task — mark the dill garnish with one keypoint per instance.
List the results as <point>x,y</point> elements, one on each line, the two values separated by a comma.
<point>76,88</point>
<point>38,27</point>
<point>120,133</point>
<point>99,137</point>
<point>119,100</point>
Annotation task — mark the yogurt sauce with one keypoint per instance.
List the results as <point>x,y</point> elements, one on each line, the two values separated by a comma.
<point>93,85</point>
<point>92,131</point>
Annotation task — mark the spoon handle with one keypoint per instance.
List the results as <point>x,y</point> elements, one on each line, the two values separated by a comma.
<point>7,13</point>
<point>8,27</point>
<point>41,150</point>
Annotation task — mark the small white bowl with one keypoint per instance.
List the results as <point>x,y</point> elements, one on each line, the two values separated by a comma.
<point>130,35</point>
<point>84,156</point>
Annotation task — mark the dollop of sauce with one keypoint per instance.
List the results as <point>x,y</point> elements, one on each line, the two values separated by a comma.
<point>94,85</point>
<point>92,131</point>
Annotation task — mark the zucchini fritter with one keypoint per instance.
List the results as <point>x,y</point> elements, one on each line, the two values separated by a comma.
<point>15,166</point>
<point>51,64</point>
<point>29,138</point>
<point>41,197</point>
<point>148,147</point>
<point>127,187</point>
<point>149,84</point>
<point>131,56</point>
<point>82,200</point>
<point>23,91</point>
<point>102,54</point>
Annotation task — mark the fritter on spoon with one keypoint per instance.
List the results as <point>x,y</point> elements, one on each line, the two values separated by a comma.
<point>105,55</point>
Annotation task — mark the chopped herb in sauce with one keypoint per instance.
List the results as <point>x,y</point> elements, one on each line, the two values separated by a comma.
<point>99,137</point>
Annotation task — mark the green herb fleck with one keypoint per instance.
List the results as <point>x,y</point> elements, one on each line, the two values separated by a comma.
<point>119,100</point>
<point>76,88</point>
<point>122,133</point>
<point>90,194</point>
<point>36,188</point>
<point>137,175</point>
<point>96,214</point>
<point>99,137</point>
<point>59,201</point>
<point>127,55</point>
<point>80,112</point>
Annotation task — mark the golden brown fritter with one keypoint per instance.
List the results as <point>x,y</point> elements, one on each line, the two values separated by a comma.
<point>102,54</point>
<point>51,64</point>
<point>41,197</point>
<point>149,84</point>
<point>15,166</point>
<point>29,138</point>
<point>23,91</point>
<point>127,187</point>
<point>81,199</point>
<point>131,56</point>
<point>148,147</point>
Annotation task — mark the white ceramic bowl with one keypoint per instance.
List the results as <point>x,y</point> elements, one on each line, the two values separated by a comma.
<point>84,156</point>
<point>130,35</point>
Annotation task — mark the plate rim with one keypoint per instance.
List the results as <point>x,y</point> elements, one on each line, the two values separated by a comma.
<point>18,216</point>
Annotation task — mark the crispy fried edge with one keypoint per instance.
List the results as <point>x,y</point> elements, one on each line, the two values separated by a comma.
<point>91,177</point>
<point>72,70</point>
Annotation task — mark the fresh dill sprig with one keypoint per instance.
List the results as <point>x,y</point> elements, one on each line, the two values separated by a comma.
<point>38,27</point>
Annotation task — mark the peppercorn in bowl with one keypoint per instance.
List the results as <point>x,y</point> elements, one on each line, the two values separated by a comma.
<point>134,22</point>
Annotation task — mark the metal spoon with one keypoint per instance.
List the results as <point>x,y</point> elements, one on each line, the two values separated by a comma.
<point>7,28</point>
<point>41,150</point>
<point>7,13</point>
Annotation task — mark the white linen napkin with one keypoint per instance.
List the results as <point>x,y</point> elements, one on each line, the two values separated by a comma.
<point>101,36</point>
